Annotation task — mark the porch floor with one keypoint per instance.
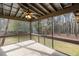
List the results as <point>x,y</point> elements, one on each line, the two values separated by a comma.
<point>28,48</point>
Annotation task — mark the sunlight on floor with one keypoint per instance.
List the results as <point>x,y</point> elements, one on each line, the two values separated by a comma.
<point>28,48</point>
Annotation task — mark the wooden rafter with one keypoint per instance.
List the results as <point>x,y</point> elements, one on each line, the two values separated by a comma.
<point>45,10</point>
<point>30,7</point>
<point>35,5</point>
<point>48,7</point>
<point>17,11</point>
<point>66,10</point>
<point>2,9</point>
<point>44,7</point>
<point>53,6</point>
<point>10,6</point>
<point>27,7</point>
<point>11,9</point>
<point>62,5</point>
<point>35,8</point>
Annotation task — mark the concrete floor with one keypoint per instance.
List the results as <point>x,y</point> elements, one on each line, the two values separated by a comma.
<point>28,48</point>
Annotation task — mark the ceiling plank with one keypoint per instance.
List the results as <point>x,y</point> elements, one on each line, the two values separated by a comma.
<point>27,7</point>
<point>42,4</point>
<point>35,8</point>
<point>48,7</point>
<point>66,10</point>
<point>52,7</point>
<point>40,8</point>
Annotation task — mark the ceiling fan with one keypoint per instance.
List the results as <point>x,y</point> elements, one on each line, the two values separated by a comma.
<point>28,13</point>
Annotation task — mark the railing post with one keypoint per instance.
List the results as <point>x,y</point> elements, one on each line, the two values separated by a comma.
<point>52,33</point>
<point>30,31</point>
<point>38,31</point>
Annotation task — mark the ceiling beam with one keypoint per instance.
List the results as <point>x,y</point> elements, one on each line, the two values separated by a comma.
<point>11,9</point>
<point>65,5</point>
<point>66,10</point>
<point>2,9</point>
<point>52,9</point>
<point>42,4</point>
<point>53,6</point>
<point>42,9</point>
<point>48,7</point>
<point>14,18</point>
<point>62,5</point>
<point>17,11</point>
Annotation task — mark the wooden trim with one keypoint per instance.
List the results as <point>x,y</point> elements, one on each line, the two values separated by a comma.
<point>14,18</point>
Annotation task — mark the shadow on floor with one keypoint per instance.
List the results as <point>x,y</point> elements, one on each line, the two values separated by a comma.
<point>2,53</point>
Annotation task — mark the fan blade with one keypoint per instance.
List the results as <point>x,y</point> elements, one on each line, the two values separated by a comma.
<point>35,17</point>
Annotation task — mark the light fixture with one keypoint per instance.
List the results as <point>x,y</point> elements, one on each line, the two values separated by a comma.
<point>28,16</point>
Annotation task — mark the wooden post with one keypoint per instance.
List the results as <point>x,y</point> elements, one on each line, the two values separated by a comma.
<point>38,31</point>
<point>52,32</point>
<point>30,31</point>
<point>2,43</point>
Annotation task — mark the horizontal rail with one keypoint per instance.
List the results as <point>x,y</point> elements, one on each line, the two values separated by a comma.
<point>12,35</point>
<point>48,36</point>
<point>60,39</point>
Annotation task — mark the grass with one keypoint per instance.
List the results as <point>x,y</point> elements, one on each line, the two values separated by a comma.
<point>68,48</point>
<point>15,39</point>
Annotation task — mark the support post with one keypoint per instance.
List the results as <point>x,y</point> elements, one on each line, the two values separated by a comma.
<point>38,31</point>
<point>2,43</point>
<point>52,32</point>
<point>30,30</point>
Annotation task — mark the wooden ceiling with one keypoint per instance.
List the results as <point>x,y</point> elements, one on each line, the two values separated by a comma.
<point>43,10</point>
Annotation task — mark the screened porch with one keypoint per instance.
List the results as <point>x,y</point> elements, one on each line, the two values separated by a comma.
<point>52,30</point>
